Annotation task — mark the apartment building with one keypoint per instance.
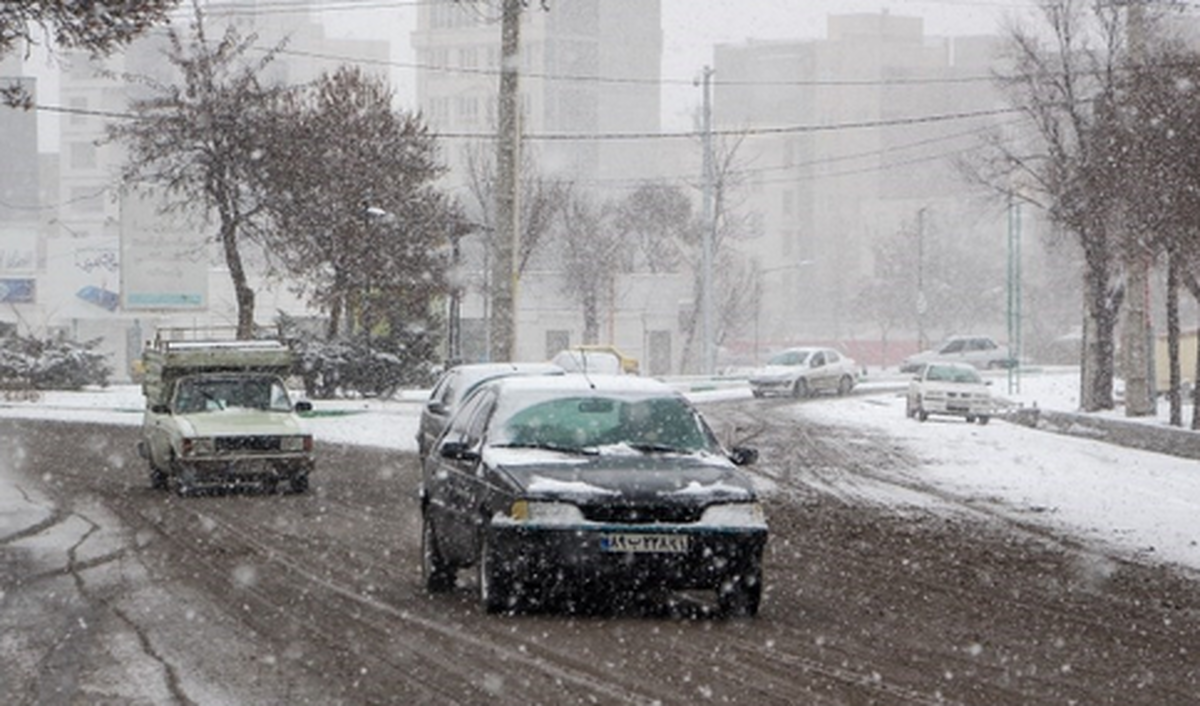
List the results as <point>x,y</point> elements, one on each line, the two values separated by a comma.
<point>834,158</point>
<point>589,73</point>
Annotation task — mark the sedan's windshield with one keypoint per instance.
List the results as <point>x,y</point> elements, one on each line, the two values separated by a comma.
<point>656,424</point>
<point>789,358</point>
<point>947,373</point>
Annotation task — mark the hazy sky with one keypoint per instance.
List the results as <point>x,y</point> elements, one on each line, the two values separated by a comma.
<point>690,29</point>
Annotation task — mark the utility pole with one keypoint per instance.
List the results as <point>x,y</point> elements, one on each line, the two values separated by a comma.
<point>922,304</point>
<point>710,227</point>
<point>502,333</point>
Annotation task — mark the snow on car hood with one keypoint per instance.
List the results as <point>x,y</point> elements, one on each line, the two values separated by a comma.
<point>776,372</point>
<point>698,478</point>
<point>239,422</point>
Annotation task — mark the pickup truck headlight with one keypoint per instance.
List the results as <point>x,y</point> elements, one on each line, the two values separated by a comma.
<point>200,446</point>
<point>734,515</point>
<point>296,443</point>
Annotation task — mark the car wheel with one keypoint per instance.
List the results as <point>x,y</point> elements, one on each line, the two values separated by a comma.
<point>970,419</point>
<point>494,587</point>
<point>983,419</point>
<point>800,388</point>
<point>738,595</point>
<point>299,483</point>
<point>438,574</point>
<point>757,393</point>
<point>845,385</point>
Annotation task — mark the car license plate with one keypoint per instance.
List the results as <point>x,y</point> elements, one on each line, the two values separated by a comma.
<point>645,543</point>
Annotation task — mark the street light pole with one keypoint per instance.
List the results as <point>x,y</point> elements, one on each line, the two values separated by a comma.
<point>706,293</point>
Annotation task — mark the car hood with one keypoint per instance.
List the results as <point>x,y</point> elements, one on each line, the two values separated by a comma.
<point>239,422</point>
<point>693,478</point>
<point>776,372</point>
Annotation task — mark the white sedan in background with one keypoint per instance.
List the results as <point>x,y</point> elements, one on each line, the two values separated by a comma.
<point>953,389</point>
<point>801,372</point>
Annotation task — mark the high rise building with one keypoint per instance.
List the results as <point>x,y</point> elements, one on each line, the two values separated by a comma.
<point>838,155</point>
<point>589,73</point>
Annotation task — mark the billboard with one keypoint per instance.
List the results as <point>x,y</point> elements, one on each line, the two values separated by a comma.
<point>164,261</point>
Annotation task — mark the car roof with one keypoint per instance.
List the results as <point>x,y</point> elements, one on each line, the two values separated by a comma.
<point>579,382</point>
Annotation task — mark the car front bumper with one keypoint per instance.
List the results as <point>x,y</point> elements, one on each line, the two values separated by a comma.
<point>584,558</point>
<point>254,469</point>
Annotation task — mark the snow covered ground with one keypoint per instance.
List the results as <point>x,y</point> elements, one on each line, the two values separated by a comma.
<point>1128,501</point>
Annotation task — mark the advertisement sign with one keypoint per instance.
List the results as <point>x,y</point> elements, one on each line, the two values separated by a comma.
<point>164,262</point>
<point>18,291</point>
<point>18,251</point>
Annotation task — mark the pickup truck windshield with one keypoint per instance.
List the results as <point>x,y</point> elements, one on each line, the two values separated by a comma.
<point>216,393</point>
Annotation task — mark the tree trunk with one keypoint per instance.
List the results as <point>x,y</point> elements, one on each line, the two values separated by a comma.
<point>1135,358</point>
<point>243,294</point>
<point>591,317</point>
<point>1096,380</point>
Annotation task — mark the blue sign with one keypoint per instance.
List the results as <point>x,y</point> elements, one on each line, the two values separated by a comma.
<point>17,291</point>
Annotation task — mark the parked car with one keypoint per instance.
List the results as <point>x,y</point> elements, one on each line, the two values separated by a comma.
<point>455,384</point>
<point>595,359</point>
<point>587,484</point>
<point>954,389</point>
<point>979,351</point>
<point>801,372</point>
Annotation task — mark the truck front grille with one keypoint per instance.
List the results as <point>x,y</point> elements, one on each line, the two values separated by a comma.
<point>247,443</point>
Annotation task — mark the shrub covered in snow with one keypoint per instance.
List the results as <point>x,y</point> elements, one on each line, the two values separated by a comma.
<point>55,363</point>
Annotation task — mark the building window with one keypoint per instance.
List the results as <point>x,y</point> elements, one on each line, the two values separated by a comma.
<point>78,106</point>
<point>468,58</point>
<point>83,155</point>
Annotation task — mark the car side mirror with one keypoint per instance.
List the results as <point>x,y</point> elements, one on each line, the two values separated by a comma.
<point>304,406</point>
<point>160,409</point>
<point>743,455</point>
<point>438,408</point>
<point>458,451</point>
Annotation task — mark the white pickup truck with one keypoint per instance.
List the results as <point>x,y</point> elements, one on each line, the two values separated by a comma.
<point>218,414</point>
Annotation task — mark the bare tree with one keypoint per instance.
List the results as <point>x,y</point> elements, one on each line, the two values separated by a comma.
<point>732,222</point>
<point>1066,88</point>
<point>658,220</point>
<point>541,201</point>
<point>198,142</point>
<point>590,249</point>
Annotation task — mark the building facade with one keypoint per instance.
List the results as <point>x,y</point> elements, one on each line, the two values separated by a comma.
<point>589,73</point>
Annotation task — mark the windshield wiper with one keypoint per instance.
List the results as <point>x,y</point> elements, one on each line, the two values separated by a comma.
<point>659,448</point>
<point>577,450</point>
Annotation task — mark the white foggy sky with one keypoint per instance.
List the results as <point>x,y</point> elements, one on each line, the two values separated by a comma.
<point>690,29</point>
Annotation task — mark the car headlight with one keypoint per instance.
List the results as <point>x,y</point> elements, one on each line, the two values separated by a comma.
<point>546,513</point>
<point>734,515</point>
<point>200,446</point>
<point>295,443</point>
